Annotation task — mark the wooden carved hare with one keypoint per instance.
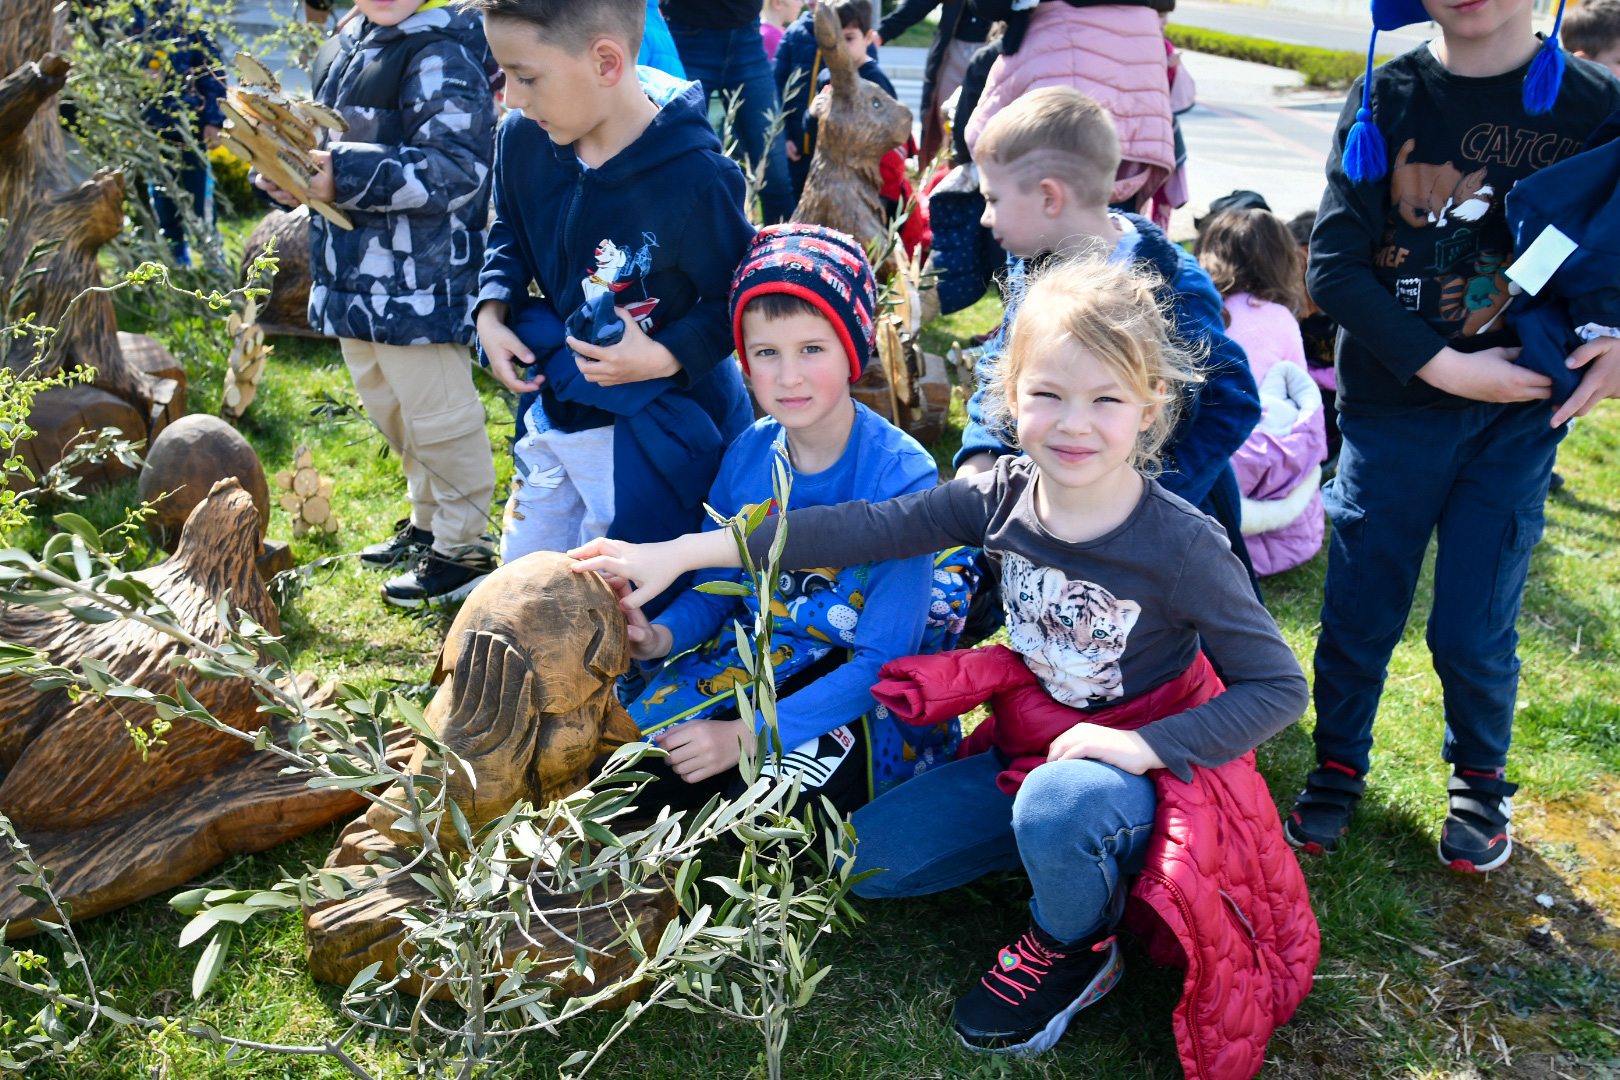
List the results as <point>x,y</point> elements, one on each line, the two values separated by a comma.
<point>857,124</point>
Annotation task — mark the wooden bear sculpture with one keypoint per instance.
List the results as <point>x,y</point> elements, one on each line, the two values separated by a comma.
<point>857,123</point>
<point>526,697</point>
<point>115,825</point>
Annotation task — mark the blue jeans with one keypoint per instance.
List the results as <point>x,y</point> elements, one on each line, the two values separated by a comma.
<point>196,178</point>
<point>1078,828</point>
<point>1478,476</point>
<point>734,60</point>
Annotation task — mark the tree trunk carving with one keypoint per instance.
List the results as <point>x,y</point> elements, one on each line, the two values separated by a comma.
<point>42,205</point>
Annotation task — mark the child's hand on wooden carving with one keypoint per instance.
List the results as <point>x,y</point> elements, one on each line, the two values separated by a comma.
<point>699,749</point>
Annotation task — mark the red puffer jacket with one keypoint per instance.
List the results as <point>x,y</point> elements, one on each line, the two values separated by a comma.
<point>1220,893</point>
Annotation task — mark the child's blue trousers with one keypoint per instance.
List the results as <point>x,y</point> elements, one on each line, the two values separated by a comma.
<point>1078,828</point>
<point>1477,476</point>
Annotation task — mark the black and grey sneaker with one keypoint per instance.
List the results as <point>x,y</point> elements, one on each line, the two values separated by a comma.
<point>1024,1004</point>
<point>1323,809</point>
<point>404,547</point>
<point>1476,836</point>
<point>439,579</point>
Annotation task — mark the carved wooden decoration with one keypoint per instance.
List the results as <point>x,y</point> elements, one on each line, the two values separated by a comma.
<point>42,204</point>
<point>182,467</point>
<point>307,495</point>
<point>245,367</point>
<point>526,697</point>
<point>286,309</point>
<point>857,123</point>
<point>274,134</point>
<point>116,828</point>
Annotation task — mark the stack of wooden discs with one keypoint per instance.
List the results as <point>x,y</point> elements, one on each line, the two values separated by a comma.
<point>249,354</point>
<point>274,133</point>
<point>307,496</point>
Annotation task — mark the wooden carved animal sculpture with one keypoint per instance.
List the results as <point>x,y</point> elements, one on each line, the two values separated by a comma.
<point>1427,194</point>
<point>43,204</point>
<point>857,123</point>
<point>526,697</point>
<point>117,828</point>
<point>286,309</point>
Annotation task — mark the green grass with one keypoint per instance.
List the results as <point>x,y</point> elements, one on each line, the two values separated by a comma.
<point>1327,69</point>
<point>1421,970</point>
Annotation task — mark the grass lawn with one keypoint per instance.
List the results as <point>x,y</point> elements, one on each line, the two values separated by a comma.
<point>1423,973</point>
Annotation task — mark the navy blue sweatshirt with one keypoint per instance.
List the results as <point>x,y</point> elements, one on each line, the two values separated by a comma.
<point>660,225</point>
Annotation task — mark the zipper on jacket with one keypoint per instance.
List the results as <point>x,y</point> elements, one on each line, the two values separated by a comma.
<point>573,207</point>
<point>1185,908</point>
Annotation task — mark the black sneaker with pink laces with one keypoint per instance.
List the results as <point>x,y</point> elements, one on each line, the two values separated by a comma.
<point>1025,1002</point>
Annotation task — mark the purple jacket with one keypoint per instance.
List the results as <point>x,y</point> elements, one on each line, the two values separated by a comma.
<point>1279,466</point>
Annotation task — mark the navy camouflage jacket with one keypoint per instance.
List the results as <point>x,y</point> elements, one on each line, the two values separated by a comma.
<point>415,180</point>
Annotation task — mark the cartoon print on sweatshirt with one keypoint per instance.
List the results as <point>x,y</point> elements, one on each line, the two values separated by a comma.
<point>1070,633</point>
<point>617,269</point>
<point>1471,289</point>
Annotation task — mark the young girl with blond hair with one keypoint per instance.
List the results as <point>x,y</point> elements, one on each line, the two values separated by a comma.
<point>1108,721</point>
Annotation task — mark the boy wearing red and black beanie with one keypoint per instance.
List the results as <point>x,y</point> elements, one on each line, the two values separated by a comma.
<point>804,304</point>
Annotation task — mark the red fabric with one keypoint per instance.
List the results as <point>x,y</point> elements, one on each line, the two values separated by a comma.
<point>1220,894</point>
<point>914,231</point>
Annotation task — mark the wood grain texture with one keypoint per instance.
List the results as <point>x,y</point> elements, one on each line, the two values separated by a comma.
<point>286,309</point>
<point>526,697</point>
<point>857,123</point>
<point>42,204</point>
<point>117,828</point>
<point>182,467</point>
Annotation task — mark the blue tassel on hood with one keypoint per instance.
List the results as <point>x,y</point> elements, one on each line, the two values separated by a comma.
<point>1364,155</point>
<point>1546,72</point>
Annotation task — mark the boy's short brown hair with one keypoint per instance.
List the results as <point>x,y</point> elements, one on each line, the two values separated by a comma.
<point>1055,133</point>
<point>856,13</point>
<point>571,25</point>
<point>1592,28</point>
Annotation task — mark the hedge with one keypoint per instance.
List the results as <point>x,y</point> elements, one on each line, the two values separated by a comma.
<point>1327,69</point>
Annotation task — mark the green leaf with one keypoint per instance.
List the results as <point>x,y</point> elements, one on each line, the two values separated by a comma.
<point>211,964</point>
<point>209,668</point>
<point>364,976</point>
<point>87,614</point>
<point>808,988</point>
<point>725,588</point>
<point>189,902</point>
<point>81,528</point>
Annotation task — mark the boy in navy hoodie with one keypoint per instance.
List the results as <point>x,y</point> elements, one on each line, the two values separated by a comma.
<point>612,194</point>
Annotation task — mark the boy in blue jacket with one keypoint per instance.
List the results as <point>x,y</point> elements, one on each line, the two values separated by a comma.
<point>798,52</point>
<point>1046,166</point>
<point>612,194</point>
<point>804,305</point>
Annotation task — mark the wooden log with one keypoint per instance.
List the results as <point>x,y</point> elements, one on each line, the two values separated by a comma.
<point>341,937</point>
<point>115,827</point>
<point>65,416</point>
<point>143,353</point>
<point>42,204</point>
<point>276,557</point>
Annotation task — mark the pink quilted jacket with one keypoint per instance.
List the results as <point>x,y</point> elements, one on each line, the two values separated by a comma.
<point>1113,53</point>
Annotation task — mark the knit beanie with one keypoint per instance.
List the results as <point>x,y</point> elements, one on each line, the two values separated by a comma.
<point>1365,158</point>
<point>821,266</point>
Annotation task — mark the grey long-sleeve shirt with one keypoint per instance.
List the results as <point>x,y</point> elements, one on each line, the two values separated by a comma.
<point>1098,622</point>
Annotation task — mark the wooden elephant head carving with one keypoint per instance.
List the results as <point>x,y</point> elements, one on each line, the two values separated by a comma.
<point>526,688</point>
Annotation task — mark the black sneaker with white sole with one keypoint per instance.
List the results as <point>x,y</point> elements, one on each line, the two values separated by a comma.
<point>1322,811</point>
<point>1476,836</point>
<point>439,579</point>
<point>403,548</point>
<point>1025,1002</point>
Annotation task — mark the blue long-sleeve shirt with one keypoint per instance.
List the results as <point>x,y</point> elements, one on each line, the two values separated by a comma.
<point>879,462</point>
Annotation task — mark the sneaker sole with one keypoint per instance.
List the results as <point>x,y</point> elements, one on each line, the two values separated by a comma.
<point>458,593</point>
<point>1464,866</point>
<point>1104,981</point>
<point>1309,847</point>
